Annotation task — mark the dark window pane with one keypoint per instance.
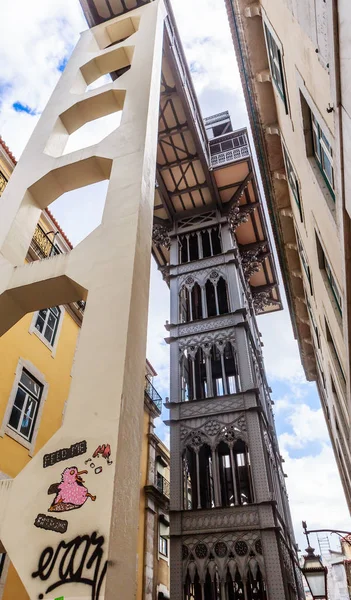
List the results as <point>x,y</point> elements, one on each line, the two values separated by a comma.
<point>40,323</point>
<point>48,334</point>
<point>19,400</point>
<point>30,384</point>
<point>26,426</point>
<point>51,320</point>
<point>15,417</point>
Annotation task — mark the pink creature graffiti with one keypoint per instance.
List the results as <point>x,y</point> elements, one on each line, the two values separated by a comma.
<point>70,492</point>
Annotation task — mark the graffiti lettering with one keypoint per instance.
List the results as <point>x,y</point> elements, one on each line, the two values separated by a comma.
<point>64,454</point>
<point>77,561</point>
<point>51,523</point>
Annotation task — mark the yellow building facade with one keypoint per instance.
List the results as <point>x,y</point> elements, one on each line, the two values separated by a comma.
<point>37,358</point>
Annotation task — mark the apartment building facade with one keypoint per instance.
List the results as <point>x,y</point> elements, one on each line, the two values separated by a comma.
<point>37,363</point>
<point>291,56</point>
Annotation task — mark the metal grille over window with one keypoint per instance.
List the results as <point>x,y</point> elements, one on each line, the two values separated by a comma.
<point>323,153</point>
<point>25,407</point>
<point>47,323</point>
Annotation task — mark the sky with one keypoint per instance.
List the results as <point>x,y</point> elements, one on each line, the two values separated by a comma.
<point>33,53</point>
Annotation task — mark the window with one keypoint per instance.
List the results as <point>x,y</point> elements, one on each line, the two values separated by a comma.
<point>163,545</point>
<point>304,261</point>
<point>324,265</point>
<point>47,323</point>
<point>323,154</point>
<point>25,406</point>
<point>313,321</point>
<point>2,563</point>
<point>276,65</point>
<point>292,180</point>
<point>335,353</point>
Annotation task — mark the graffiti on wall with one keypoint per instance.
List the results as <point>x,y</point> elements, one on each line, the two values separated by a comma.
<point>51,523</point>
<point>77,561</point>
<point>105,451</point>
<point>64,454</point>
<point>71,492</point>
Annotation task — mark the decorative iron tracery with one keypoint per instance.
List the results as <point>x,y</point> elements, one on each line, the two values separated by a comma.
<point>160,235</point>
<point>251,260</point>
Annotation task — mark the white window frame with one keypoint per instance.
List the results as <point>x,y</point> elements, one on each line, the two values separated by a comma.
<point>164,541</point>
<point>282,94</point>
<point>5,428</point>
<point>40,335</point>
<point>330,198</point>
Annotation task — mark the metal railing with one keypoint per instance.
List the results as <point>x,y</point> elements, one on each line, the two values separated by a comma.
<point>162,484</point>
<point>42,245</point>
<point>153,395</point>
<point>223,158</point>
<point>3,182</point>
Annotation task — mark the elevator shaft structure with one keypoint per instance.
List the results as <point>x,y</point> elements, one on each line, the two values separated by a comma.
<point>231,535</point>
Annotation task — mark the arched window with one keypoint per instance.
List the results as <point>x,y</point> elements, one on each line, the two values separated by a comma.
<point>211,299</point>
<point>192,588</point>
<point>256,589</point>
<point>193,247</point>
<point>222,293</point>
<point>186,380</point>
<point>196,302</point>
<point>200,380</point>
<point>183,249</point>
<point>189,479</point>
<point>226,471</point>
<point>234,585</point>
<point>206,477</point>
<point>211,242</point>
<point>230,369</point>
<point>212,587</point>
<point>243,472</point>
<point>184,305</point>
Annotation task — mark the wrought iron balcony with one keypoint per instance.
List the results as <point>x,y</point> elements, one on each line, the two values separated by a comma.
<point>42,245</point>
<point>162,484</point>
<point>153,395</point>
<point>3,183</point>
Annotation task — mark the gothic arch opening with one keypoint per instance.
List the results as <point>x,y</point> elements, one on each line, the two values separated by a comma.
<point>243,472</point>
<point>206,476</point>
<point>226,473</point>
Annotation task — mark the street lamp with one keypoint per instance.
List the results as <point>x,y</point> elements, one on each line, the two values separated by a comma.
<point>313,569</point>
<point>315,574</point>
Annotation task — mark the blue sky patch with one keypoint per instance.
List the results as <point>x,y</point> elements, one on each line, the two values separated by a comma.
<point>62,64</point>
<point>19,107</point>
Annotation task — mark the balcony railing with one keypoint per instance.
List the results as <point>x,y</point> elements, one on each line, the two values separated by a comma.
<point>153,395</point>
<point>228,148</point>
<point>42,245</point>
<point>230,156</point>
<point>162,484</point>
<point>3,183</point>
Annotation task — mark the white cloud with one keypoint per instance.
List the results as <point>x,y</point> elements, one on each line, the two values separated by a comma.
<point>308,426</point>
<point>316,493</point>
<point>31,49</point>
